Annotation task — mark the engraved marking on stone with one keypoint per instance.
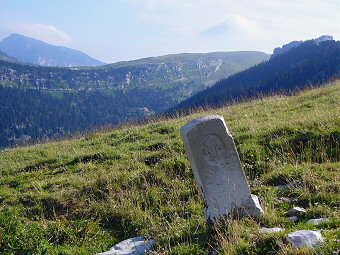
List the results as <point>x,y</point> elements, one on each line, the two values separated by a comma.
<point>213,150</point>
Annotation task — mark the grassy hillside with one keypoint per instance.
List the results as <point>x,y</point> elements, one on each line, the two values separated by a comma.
<point>84,195</point>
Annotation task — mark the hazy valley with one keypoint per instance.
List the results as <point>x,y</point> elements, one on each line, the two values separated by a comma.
<point>60,101</point>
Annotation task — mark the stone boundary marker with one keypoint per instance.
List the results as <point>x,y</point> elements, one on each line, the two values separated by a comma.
<point>218,170</point>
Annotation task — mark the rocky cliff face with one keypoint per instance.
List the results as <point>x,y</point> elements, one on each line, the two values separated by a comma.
<point>294,44</point>
<point>182,75</point>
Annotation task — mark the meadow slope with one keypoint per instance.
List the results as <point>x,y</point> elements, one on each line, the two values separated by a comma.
<point>84,195</point>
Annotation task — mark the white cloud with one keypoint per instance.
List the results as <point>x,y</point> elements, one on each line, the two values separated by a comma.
<point>235,26</point>
<point>265,24</point>
<point>182,17</point>
<point>46,33</point>
<point>173,26</point>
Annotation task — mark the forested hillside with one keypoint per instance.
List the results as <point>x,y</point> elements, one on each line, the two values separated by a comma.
<point>310,63</point>
<point>47,102</point>
<point>30,115</point>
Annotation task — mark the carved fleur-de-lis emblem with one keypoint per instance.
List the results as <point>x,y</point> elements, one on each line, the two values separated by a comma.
<point>213,150</point>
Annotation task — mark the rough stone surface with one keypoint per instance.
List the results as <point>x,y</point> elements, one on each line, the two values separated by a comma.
<point>271,230</point>
<point>257,209</point>
<point>306,238</point>
<point>296,211</point>
<point>293,218</point>
<point>217,169</point>
<point>132,246</point>
<point>317,221</point>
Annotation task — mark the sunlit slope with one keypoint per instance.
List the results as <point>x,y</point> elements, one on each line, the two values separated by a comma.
<point>84,195</point>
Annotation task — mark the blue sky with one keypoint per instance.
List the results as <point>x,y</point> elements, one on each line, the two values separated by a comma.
<point>115,30</point>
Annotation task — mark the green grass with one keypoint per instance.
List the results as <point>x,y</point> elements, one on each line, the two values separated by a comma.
<point>84,195</point>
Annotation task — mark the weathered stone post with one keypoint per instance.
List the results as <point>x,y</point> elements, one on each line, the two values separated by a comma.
<point>217,169</point>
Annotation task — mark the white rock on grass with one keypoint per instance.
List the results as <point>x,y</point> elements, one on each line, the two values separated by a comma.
<point>296,211</point>
<point>132,246</point>
<point>317,221</point>
<point>306,238</point>
<point>257,207</point>
<point>271,230</point>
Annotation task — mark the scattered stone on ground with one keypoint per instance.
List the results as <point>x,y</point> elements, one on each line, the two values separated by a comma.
<point>296,211</point>
<point>317,221</point>
<point>132,246</point>
<point>293,218</point>
<point>271,230</point>
<point>306,238</point>
<point>257,208</point>
<point>217,169</point>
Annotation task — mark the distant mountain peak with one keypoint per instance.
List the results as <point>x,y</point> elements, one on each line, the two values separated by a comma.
<point>20,37</point>
<point>33,51</point>
<point>323,38</point>
<point>287,47</point>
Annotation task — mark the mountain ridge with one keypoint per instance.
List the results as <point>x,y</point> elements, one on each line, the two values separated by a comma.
<point>185,55</point>
<point>291,45</point>
<point>310,63</point>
